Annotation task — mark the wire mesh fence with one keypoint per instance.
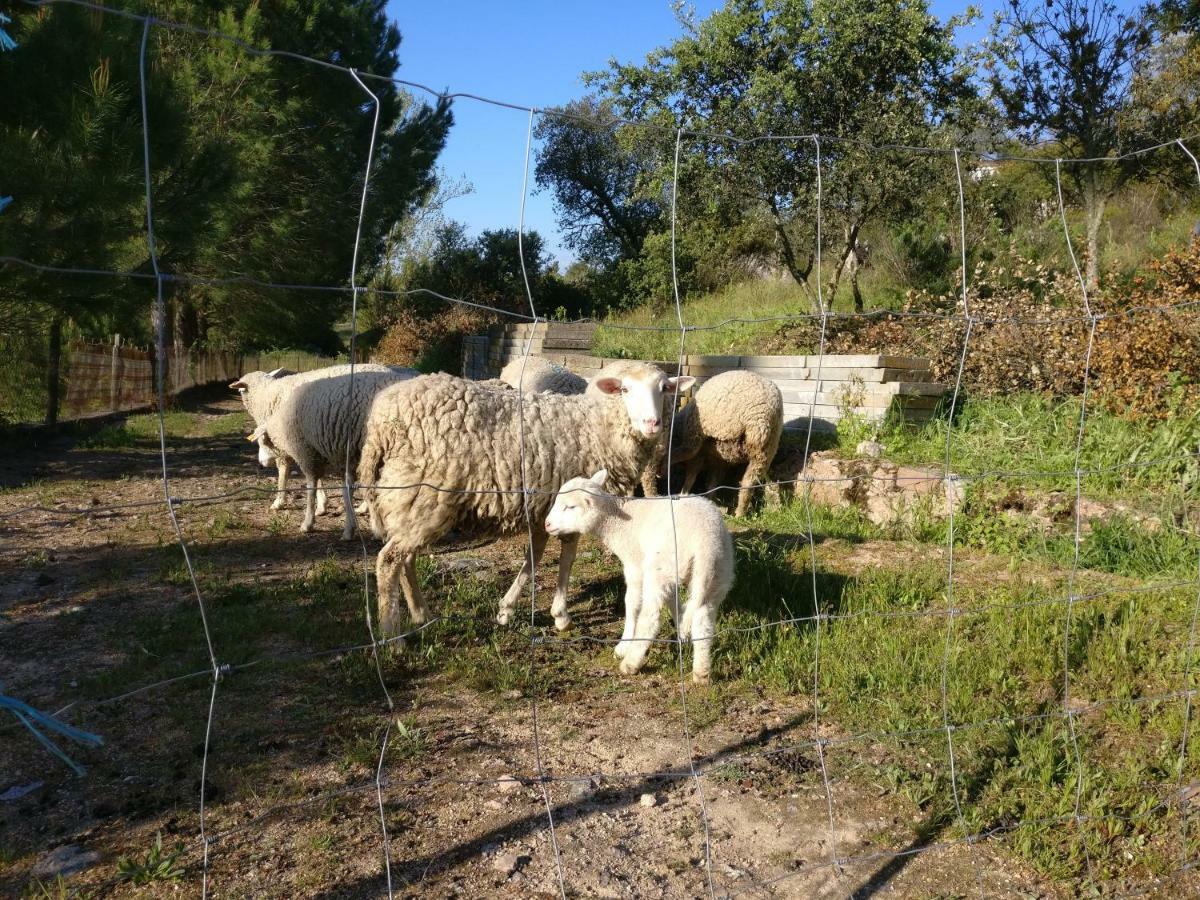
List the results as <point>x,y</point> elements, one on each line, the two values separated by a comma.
<point>973,731</point>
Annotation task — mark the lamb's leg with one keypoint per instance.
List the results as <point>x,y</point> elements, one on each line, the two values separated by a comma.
<point>281,469</point>
<point>509,603</point>
<point>633,605</point>
<point>703,628</point>
<point>566,559</point>
<point>753,471</point>
<point>690,475</point>
<point>322,500</point>
<point>654,591</point>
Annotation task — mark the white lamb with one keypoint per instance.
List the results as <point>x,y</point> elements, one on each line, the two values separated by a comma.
<point>319,423</point>
<point>442,452</point>
<point>537,375</point>
<point>661,544</point>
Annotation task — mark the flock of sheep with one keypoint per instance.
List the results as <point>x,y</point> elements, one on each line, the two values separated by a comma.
<point>539,448</point>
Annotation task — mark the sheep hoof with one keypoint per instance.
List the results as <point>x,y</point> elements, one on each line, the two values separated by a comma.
<point>629,668</point>
<point>278,504</point>
<point>620,650</point>
<point>502,617</point>
<point>347,535</point>
<point>418,616</point>
<point>700,678</point>
<point>562,623</point>
<point>306,528</point>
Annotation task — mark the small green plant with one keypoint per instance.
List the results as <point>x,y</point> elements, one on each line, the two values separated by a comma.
<point>41,890</point>
<point>408,741</point>
<point>156,865</point>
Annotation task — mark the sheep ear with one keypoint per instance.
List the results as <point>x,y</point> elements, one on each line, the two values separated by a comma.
<point>281,372</point>
<point>238,386</point>
<point>609,385</point>
<point>600,478</point>
<point>680,384</point>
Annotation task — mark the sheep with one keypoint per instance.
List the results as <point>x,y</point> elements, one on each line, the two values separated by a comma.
<point>735,417</point>
<point>660,545</point>
<point>537,375</point>
<point>441,452</point>
<point>319,424</point>
<point>649,477</point>
<point>261,393</point>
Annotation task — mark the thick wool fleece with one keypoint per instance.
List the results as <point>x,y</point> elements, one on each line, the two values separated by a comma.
<point>541,375</point>
<point>735,418</point>
<point>455,435</point>
<point>316,421</point>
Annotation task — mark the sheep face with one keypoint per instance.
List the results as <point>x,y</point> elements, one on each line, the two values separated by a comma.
<point>576,509</point>
<point>643,395</point>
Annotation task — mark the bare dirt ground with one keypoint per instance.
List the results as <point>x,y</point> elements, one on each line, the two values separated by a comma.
<point>94,604</point>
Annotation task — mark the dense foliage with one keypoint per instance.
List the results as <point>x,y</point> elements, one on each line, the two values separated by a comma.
<point>256,162</point>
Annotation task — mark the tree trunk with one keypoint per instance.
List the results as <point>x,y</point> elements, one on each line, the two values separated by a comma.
<point>788,252</point>
<point>1095,217</point>
<point>54,370</point>
<point>847,250</point>
<point>858,297</point>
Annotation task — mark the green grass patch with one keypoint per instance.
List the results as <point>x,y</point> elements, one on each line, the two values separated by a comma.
<point>881,659</point>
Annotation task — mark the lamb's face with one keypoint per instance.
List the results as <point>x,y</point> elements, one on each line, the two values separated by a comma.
<point>574,510</point>
<point>643,397</point>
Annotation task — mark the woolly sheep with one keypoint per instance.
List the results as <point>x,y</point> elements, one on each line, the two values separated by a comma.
<point>661,544</point>
<point>319,423</point>
<point>448,453</point>
<point>260,393</point>
<point>649,477</point>
<point>735,417</point>
<point>537,375</point>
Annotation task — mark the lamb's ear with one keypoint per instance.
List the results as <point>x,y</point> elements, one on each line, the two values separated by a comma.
<point>680,384</point>
<point>238,386</point>
<point>598,480</point>
<point>609,385</point>
<point>281,372</point>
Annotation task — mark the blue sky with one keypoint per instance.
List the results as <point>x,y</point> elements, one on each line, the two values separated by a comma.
<point>530,52</point>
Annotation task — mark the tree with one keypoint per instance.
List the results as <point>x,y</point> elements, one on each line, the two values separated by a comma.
<point>859,72</point>
<point>1062,72</point>
<point>256,165</point>
<point>595,174</point>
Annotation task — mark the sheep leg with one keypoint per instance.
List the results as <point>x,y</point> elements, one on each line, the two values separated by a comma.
<point>566,559</point>
<point>753,470</point>
<point>322,500</point>
<point>649,482</point>
<point>689,478</point>
<point>310,497</point>
<point>509,603</point>
<point>281,469</point>
<point>654,591</point>
<point>396,571</point>
<point>702,630</point>
<point>633,604</point>
<point>348,508</point>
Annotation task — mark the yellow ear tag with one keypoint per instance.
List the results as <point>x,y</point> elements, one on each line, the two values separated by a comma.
<point>250,438</point>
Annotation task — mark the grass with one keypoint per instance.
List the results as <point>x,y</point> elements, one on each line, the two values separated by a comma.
<point>885,642</point>
<point>142,430</point>
<point>749,300</point>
